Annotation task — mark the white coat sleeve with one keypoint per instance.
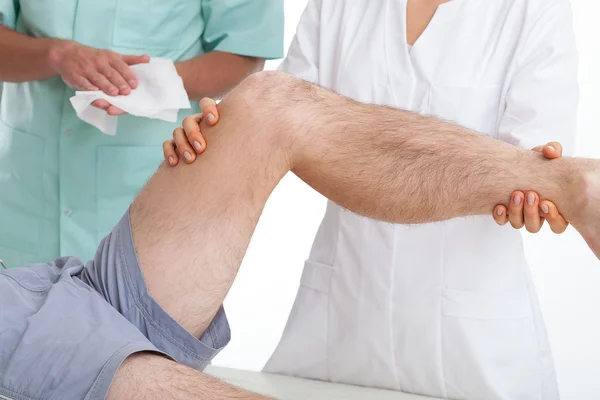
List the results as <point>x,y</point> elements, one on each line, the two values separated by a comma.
<point>8,12</point>
<point>302,59</point>
<point>542,98</point>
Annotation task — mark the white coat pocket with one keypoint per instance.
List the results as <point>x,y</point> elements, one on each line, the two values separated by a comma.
<point>492,336</point>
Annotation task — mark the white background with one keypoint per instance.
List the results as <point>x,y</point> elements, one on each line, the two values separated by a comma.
<point>566,274</point>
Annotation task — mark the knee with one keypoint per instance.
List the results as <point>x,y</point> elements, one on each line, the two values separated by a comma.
<point>273,89</point>
<point>273,101</point>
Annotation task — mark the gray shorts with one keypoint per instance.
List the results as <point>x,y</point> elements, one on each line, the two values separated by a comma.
<point>65,328</point>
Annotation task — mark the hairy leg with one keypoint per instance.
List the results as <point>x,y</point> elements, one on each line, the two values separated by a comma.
<point>402,167</point>
<point>192,224</point>
<point>148,376</point>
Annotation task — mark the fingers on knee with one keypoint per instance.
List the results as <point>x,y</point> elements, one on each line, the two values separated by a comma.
<point>169,152</point>
<point>210,111</point>
<point>184,149</point>
<point>197,141</point>
<point>190,120</point>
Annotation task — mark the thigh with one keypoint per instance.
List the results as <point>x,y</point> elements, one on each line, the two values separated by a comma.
<point>114,273</point>
<point>192,223</point>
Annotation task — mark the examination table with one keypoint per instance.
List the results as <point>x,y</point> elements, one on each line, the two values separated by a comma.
<point>289,388</point>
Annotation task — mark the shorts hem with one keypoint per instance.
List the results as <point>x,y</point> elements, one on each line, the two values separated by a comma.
<point>13,395</point>
<point>178,343</point>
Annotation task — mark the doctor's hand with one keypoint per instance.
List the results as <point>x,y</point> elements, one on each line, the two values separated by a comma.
<point>109,108</point>
<point>89,69</point>
<point>525,209</point>
<point>188,141</point>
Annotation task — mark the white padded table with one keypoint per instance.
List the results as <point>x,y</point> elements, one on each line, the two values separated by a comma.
<point>289,388</point>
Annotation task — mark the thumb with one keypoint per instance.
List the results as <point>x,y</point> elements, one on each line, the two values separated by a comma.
<point>552,150</point>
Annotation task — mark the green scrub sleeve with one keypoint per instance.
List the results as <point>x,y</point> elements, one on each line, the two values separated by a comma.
<point>251,28</point>
<point>8,12</point>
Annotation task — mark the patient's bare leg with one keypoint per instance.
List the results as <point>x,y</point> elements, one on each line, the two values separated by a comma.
<point>147,376</point>
<point>192,224</point>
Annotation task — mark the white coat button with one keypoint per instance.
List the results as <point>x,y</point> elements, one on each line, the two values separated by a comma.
<point>68,213</point>
<point>68,133</point>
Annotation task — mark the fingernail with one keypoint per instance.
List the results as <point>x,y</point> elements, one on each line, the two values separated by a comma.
<point>499,212</point>
<point>124,87</point>
<point>517,200</point>
<point>187,155</point>
<point>552,148</point>
<point>530,199</point>
<point>113,89</point>
<point>132,83</point>
<point>197,145</point>
<point>210,117</point>
<point>171,160</point>
<point>545,208</point>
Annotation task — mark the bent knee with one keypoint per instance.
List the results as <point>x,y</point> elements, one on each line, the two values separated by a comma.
<point>273,88</point>
<point>272,101</point>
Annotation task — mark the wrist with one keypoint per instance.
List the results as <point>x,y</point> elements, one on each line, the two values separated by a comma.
<point>55,53</point>
<point>182,70</point>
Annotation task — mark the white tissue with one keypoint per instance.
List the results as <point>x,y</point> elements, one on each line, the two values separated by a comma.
<point>160,94</point>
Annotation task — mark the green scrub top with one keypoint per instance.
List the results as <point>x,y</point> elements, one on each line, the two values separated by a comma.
<point>64,184</point>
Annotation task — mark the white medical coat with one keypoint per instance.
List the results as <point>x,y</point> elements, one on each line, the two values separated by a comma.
<point>444,309</point>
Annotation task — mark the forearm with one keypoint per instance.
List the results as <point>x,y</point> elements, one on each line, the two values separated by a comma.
<point>216,73</point>
<point>24,58</point>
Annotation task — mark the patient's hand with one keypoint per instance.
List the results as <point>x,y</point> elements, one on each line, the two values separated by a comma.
<point>525,209</point>
<point>187,140</point>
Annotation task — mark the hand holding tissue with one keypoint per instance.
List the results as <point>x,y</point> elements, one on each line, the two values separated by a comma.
<point>160,94</point>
